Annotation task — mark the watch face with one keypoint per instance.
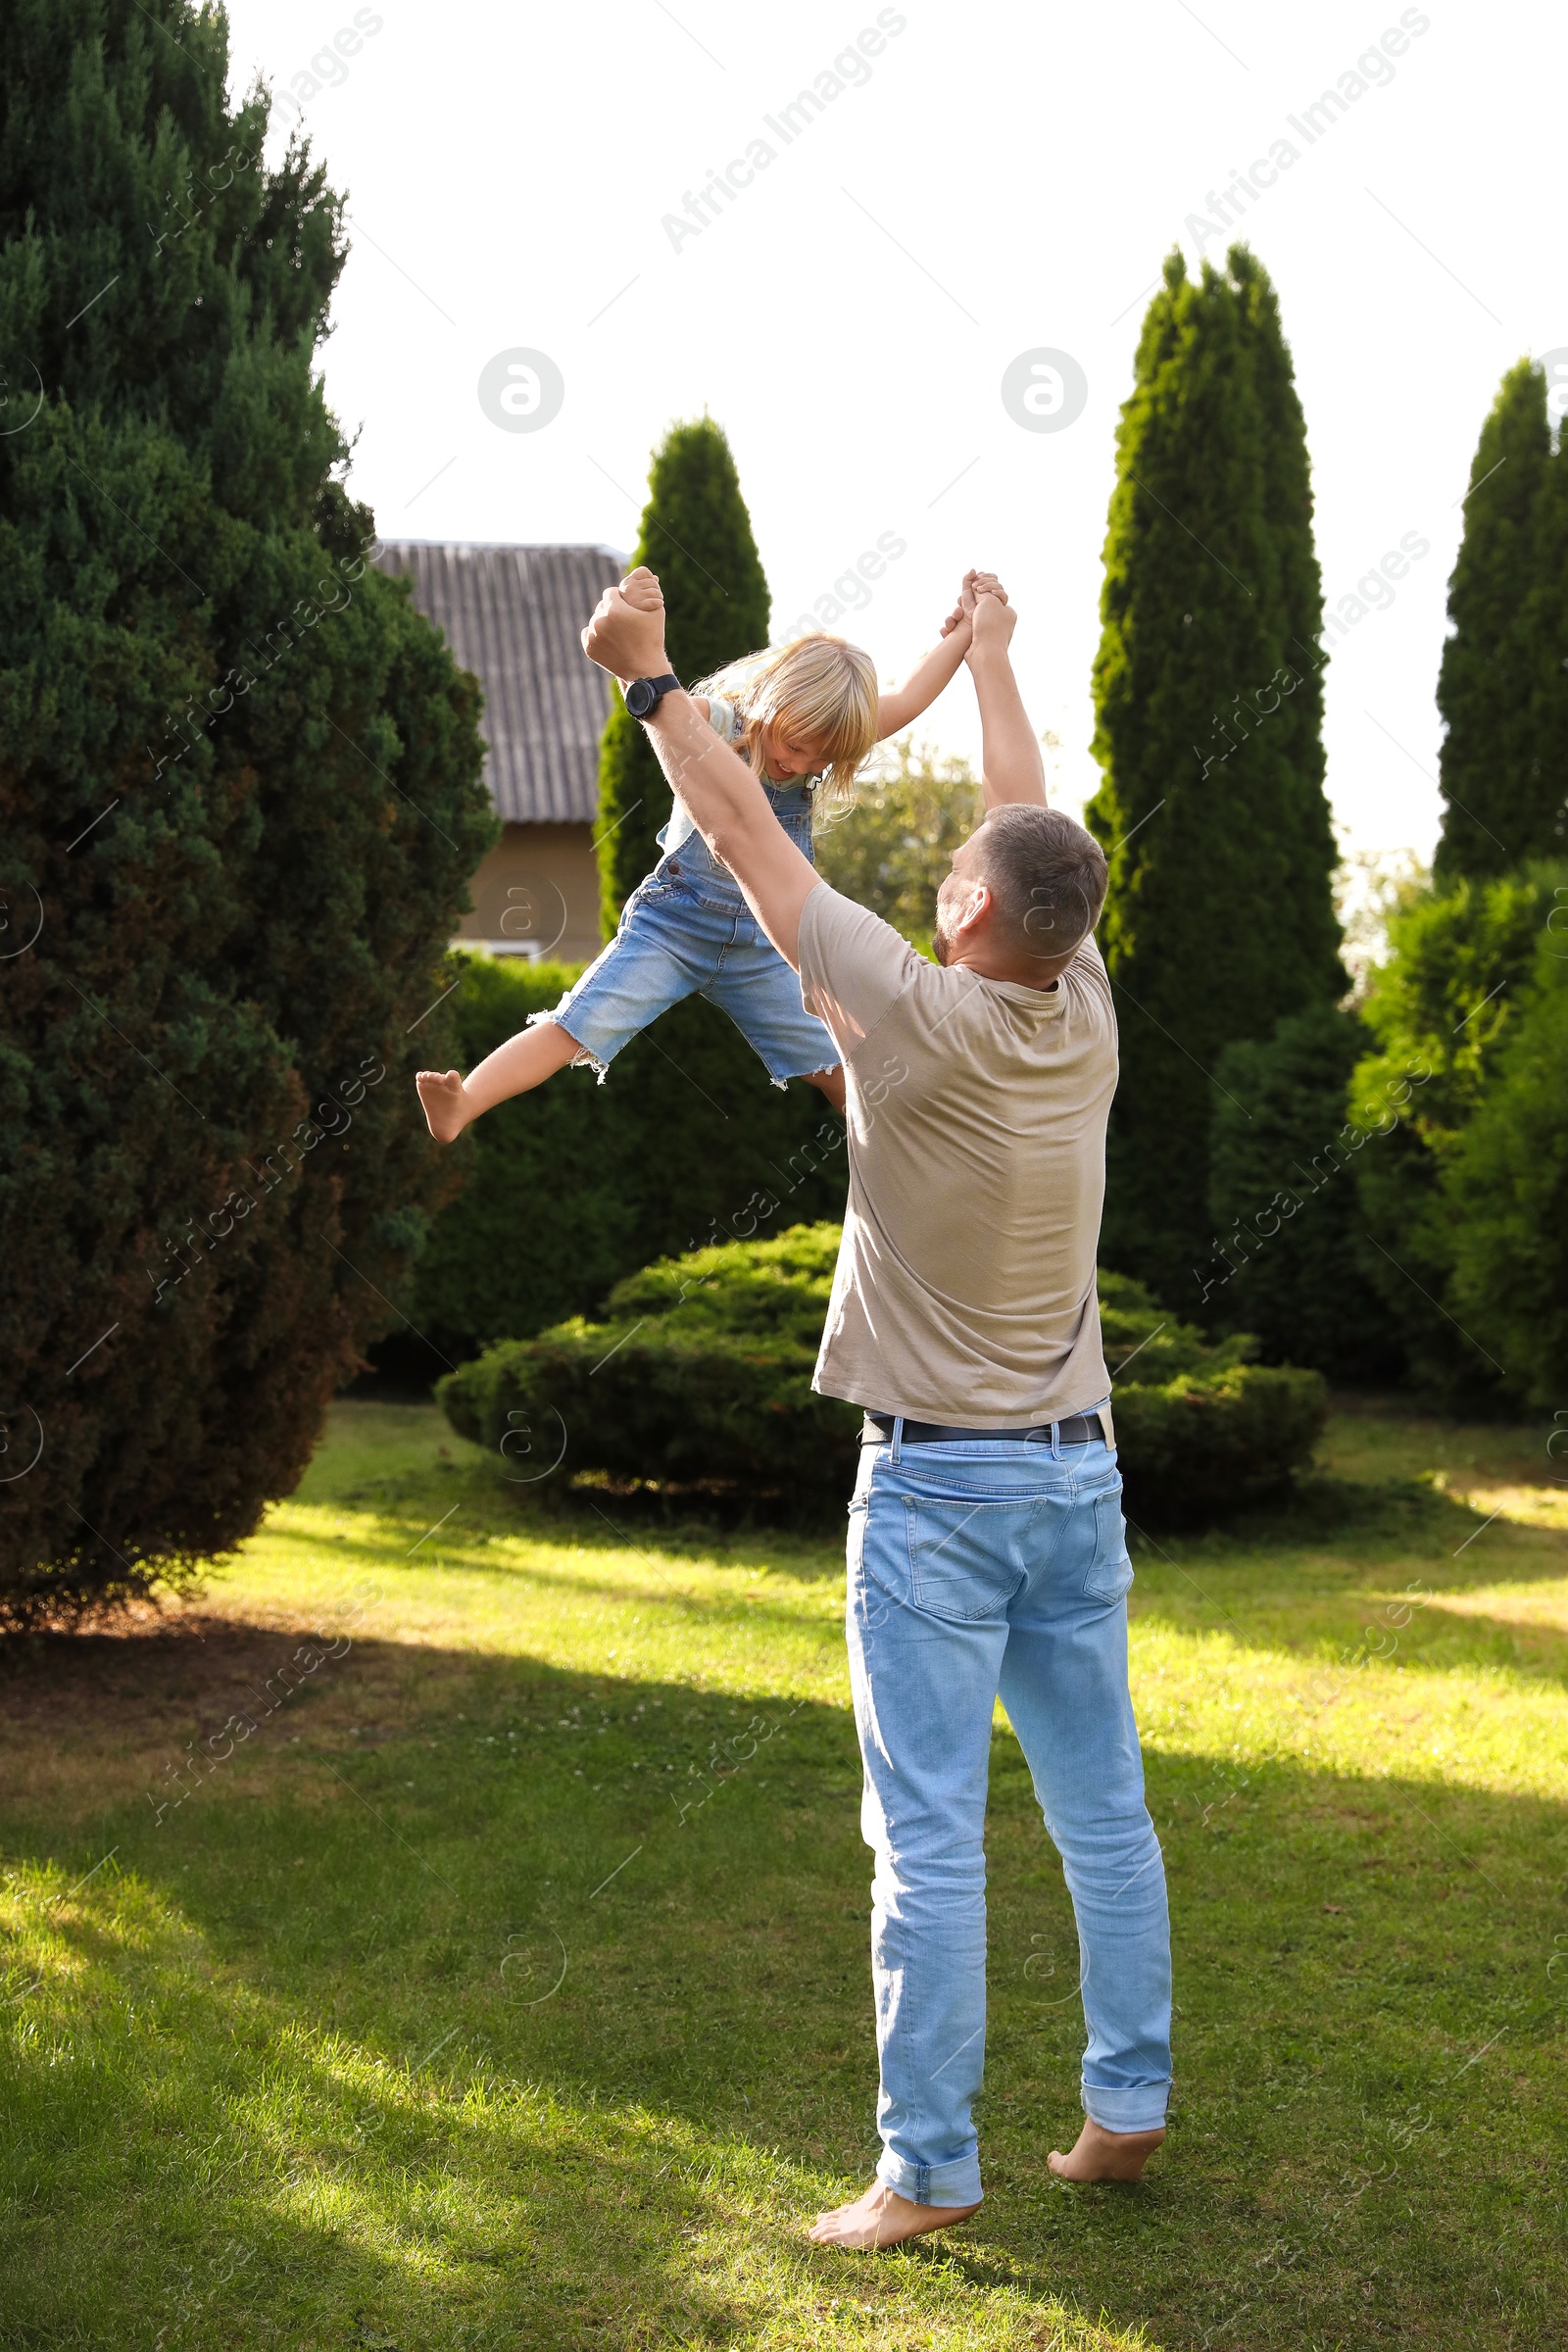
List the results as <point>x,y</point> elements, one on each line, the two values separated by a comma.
<point>640,697</point>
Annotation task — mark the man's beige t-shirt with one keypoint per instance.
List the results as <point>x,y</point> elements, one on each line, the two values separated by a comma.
<point>965,1290</point>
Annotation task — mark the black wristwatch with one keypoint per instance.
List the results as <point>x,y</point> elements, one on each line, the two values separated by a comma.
<point>644,695</point>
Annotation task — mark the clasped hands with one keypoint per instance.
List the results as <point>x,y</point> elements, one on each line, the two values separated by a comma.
<point>626,634</point>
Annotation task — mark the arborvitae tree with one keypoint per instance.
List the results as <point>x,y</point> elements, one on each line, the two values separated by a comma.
<point>1544,800</point>
<point>1502,688</point>
<point>1508,1184</point>
<point>239,799</point>
<point>1288,1257</point>
<point>686,1141</point>
<point>696,535</point>
<point>1466,966</point>
<point>1220,918</point>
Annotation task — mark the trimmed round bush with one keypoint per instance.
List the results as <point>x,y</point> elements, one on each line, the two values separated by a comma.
<point>700,1377</point>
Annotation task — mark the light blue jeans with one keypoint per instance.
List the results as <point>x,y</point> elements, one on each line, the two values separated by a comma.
<point>978,1567</point>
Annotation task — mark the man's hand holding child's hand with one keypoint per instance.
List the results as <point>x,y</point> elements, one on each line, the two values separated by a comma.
<point>975,583</point>
<point>993,624</point>
<point>626,634</point>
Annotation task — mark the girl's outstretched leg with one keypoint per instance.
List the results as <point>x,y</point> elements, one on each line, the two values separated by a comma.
<point>452,1102</point>
<point>830,1083</point>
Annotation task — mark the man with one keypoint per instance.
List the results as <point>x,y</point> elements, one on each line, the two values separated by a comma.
<point>987,1548</point>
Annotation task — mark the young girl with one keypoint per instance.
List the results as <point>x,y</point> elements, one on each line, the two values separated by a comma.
<point>802,717</point>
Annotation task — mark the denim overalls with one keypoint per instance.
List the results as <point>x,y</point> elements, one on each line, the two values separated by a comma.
<point>687,931</point>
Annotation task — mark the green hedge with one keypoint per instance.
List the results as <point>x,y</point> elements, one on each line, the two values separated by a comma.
<point>1289,1256</point>
<point>700,1376</point>
<point>1464,1197</point>
<point>570,1187</point>
<point>1505,1182</point>
<point>539,1229</point>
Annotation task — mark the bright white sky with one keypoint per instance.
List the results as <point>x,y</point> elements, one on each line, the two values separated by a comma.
<point>1006,177</point>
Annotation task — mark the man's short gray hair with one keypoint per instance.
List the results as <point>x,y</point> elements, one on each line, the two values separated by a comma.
<point>1047,875</point>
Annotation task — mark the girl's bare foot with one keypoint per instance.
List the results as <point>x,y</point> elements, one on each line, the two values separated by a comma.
<point>1102,2155</point>
<point>446,1107</point>
<point>882,2218</point>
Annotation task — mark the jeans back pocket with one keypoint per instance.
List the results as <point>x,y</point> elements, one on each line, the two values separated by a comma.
<point>967,1558</point>
<point>1110,1571</point>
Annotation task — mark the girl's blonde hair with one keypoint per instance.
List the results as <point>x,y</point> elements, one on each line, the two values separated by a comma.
<point>819,690</point>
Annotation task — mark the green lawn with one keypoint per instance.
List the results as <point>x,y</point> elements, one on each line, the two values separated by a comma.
<point>506,1984</point>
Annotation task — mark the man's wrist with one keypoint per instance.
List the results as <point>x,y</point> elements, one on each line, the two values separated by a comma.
<point>666,706</point>
<point>657,683</point>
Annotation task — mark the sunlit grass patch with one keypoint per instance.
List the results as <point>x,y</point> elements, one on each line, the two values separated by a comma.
<point>508,1984</point>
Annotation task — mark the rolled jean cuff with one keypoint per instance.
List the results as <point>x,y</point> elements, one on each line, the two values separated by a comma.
<point>1140,2110</point>
<point>956,2183</point>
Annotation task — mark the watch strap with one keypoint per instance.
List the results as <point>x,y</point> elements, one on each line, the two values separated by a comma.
<point>649,693</point>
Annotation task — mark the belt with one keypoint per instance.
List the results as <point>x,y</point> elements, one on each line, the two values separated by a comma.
<point>1079,1429</point>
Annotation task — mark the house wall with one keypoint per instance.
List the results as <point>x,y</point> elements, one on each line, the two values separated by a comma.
<point>537,894</point>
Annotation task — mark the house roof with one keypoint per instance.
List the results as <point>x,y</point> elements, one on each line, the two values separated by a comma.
<point>512,614</point>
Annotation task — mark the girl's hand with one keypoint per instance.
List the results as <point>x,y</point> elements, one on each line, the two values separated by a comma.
<point>974,583</point>
<point>980,584</point>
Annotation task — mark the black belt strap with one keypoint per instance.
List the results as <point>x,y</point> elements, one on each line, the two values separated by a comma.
<point>1079,1429</point>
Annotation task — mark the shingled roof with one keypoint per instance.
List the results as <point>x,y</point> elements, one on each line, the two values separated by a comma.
<point>512,614</point>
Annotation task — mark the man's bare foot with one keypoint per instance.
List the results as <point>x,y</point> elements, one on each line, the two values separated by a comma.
<point>446,1107</point>
<point>882,2218</point>
<point>1105,2155</point>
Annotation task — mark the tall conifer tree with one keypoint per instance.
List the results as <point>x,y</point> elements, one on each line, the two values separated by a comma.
<point>239,803</point>
<point>1503,687</point>
<point>696,535</point>
<point>1208,701</point>
<point>698,1139</point>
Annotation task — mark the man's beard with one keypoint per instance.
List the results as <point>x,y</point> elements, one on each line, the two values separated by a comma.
<point>941,940</point>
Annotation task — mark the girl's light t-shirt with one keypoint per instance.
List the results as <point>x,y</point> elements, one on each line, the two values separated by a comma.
<point>726,722</point>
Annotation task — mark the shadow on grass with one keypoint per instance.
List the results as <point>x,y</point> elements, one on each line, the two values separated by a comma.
<point>482,2004</point>
<point>1387,1515</point>
<point>1322,1508</point>
<point>1313,1571</point>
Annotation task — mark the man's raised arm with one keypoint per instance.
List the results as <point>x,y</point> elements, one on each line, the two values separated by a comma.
<point>727,805</point>
<point>1011,769</point>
